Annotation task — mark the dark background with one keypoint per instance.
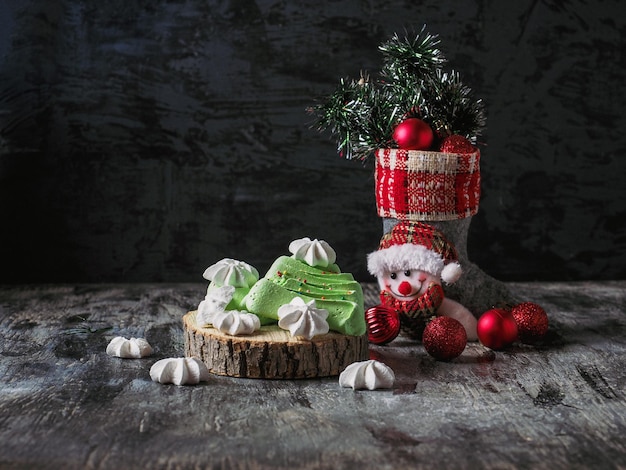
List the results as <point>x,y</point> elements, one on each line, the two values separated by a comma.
<point>143,140</point>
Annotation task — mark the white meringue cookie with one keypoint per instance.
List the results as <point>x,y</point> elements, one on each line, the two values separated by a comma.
<point>133,348</point>
<point>230,272</point>
<point>303,319</point>
<point>234,323</point>
<point>367,374</point>
<point>179,371</point>
<point>214,302</point>
<point>313,252</point>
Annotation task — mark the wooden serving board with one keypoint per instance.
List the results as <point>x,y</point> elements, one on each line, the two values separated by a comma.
<point>272,353</point>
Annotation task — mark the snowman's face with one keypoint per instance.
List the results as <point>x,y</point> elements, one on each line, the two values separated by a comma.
<point>406,285</point>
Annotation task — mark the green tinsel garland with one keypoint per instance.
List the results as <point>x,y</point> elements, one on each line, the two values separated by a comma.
<point>361,114</point>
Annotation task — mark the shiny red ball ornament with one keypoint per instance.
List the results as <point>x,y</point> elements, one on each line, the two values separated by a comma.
<point>496,328</point>
<point>532,321</point>
<point>444,338</point>
<point>413,134</point>
<point>456,144</point>
<point>383,324</point>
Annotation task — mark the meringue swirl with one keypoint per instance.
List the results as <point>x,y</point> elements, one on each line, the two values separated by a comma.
<point>303,320</point>
<point>133,348</point>
<point>179,371</point>
<point>234,323</point>
<point>313,252</point>
<point>369,375</point>
<point>230,272</point>
<point>214,302</point>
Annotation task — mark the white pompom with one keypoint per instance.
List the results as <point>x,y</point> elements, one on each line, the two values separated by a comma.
<point>451,273</point>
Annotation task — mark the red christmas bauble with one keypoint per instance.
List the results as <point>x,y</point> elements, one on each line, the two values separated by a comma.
<point>444,338</point>
<point>383,324</point>
<point>532,321</point>
<point>456,144</point>
<point>496,328</point>
<point>413,134</point>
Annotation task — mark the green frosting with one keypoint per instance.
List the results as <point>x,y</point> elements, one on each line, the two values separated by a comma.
<point>331,289</point>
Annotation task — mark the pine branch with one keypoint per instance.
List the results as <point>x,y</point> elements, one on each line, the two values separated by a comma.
<point>362,114</point>
<point>451,106</point>
<point>409,57</point>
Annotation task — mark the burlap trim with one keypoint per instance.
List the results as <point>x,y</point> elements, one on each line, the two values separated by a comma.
<point>414,185</point>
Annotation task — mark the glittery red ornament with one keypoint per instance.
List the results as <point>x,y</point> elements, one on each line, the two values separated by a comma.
<point>496,328</point>
<point>532,321</point>
<point>444,338</point>
<point>456,144</point>
<point>413,134</point>
<point>383,324</point>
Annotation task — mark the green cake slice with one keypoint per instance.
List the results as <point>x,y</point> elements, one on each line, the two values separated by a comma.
<point>332,290</point>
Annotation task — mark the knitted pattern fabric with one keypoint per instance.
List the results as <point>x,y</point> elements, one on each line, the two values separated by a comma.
<point>419,234</point>
<point>430,186</point>
<point>415,245</point>
<point>415,314</point>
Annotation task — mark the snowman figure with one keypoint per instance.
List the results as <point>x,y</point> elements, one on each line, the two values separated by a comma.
<point>410,264</point>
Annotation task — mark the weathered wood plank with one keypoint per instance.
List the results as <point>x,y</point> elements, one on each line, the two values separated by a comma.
<point>65,404</point>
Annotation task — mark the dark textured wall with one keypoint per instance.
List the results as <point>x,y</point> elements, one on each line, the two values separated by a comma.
<point>147,139</point>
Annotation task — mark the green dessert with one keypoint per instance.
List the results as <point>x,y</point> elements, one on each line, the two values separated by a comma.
<point>311,274</point>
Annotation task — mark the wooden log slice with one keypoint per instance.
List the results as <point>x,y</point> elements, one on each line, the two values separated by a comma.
<point>272,353</point>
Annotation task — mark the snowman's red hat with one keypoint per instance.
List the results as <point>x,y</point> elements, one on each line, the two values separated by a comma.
<point>415,245</point>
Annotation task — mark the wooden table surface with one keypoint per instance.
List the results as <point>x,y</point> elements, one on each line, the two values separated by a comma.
<point>65,404</point>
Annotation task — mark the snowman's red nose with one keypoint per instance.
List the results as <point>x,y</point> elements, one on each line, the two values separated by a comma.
<point>405,288</point>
